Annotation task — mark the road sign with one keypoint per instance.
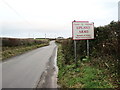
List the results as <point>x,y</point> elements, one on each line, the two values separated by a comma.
<point>82,30</point>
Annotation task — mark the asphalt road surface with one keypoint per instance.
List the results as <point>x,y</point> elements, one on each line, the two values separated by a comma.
<point>25,71</point>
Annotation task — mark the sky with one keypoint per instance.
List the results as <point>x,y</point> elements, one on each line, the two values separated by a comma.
<point>35,18</point>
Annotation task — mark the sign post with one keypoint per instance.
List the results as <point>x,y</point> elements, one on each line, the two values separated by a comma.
<point>82,30</point>
<point>88,48</point>
<point>75,52</point>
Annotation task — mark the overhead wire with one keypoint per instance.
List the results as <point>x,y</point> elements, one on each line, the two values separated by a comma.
<point>6,3</point>
<point>17,13</point>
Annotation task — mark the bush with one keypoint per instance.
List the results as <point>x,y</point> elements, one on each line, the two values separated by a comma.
<point>104,49</point>
<point>11,42</point>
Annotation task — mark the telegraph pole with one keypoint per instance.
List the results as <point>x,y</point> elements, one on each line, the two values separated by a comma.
<point>45,35</point>
<point>119,11</point>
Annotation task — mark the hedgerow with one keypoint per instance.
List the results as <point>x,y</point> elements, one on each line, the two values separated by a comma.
<point>104,50</point>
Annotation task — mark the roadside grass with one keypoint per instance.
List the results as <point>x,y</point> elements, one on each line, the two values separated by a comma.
<point>84,76</point>
<point>8,52</point>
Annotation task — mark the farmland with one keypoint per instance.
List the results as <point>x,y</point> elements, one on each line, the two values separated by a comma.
<point>14,46</point>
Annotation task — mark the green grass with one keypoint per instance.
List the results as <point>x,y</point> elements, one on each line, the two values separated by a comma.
<point>84,76</point>
<point>8,52</point>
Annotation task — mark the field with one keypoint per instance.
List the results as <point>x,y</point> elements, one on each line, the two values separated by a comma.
<point>13,46</point>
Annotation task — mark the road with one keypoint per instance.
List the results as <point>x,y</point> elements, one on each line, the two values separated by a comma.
<point>25,71</point>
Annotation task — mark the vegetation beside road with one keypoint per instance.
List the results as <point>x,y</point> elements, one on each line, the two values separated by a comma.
<point>104,59</point>
<point>12,46</point>
<point>84,76</point>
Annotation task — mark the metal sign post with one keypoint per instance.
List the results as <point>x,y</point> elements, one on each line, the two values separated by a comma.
<point>82,30</point>
<point>88,48</point>
<point>75,52</point>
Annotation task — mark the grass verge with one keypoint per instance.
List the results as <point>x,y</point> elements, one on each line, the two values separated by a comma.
<point>8,52</point>
<point>84,76</point>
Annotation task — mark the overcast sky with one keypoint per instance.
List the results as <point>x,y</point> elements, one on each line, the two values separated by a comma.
<point>35,18</point>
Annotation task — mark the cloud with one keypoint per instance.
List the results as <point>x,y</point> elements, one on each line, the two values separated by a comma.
<point>54,16</point>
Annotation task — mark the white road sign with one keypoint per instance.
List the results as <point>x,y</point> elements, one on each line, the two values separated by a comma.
<point>82,30</point>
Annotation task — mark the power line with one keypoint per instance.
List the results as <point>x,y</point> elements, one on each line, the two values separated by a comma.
<point>17,13</point>
<point>6,3</point>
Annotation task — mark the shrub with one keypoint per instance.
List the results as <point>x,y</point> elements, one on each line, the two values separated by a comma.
<point>104,49</point>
